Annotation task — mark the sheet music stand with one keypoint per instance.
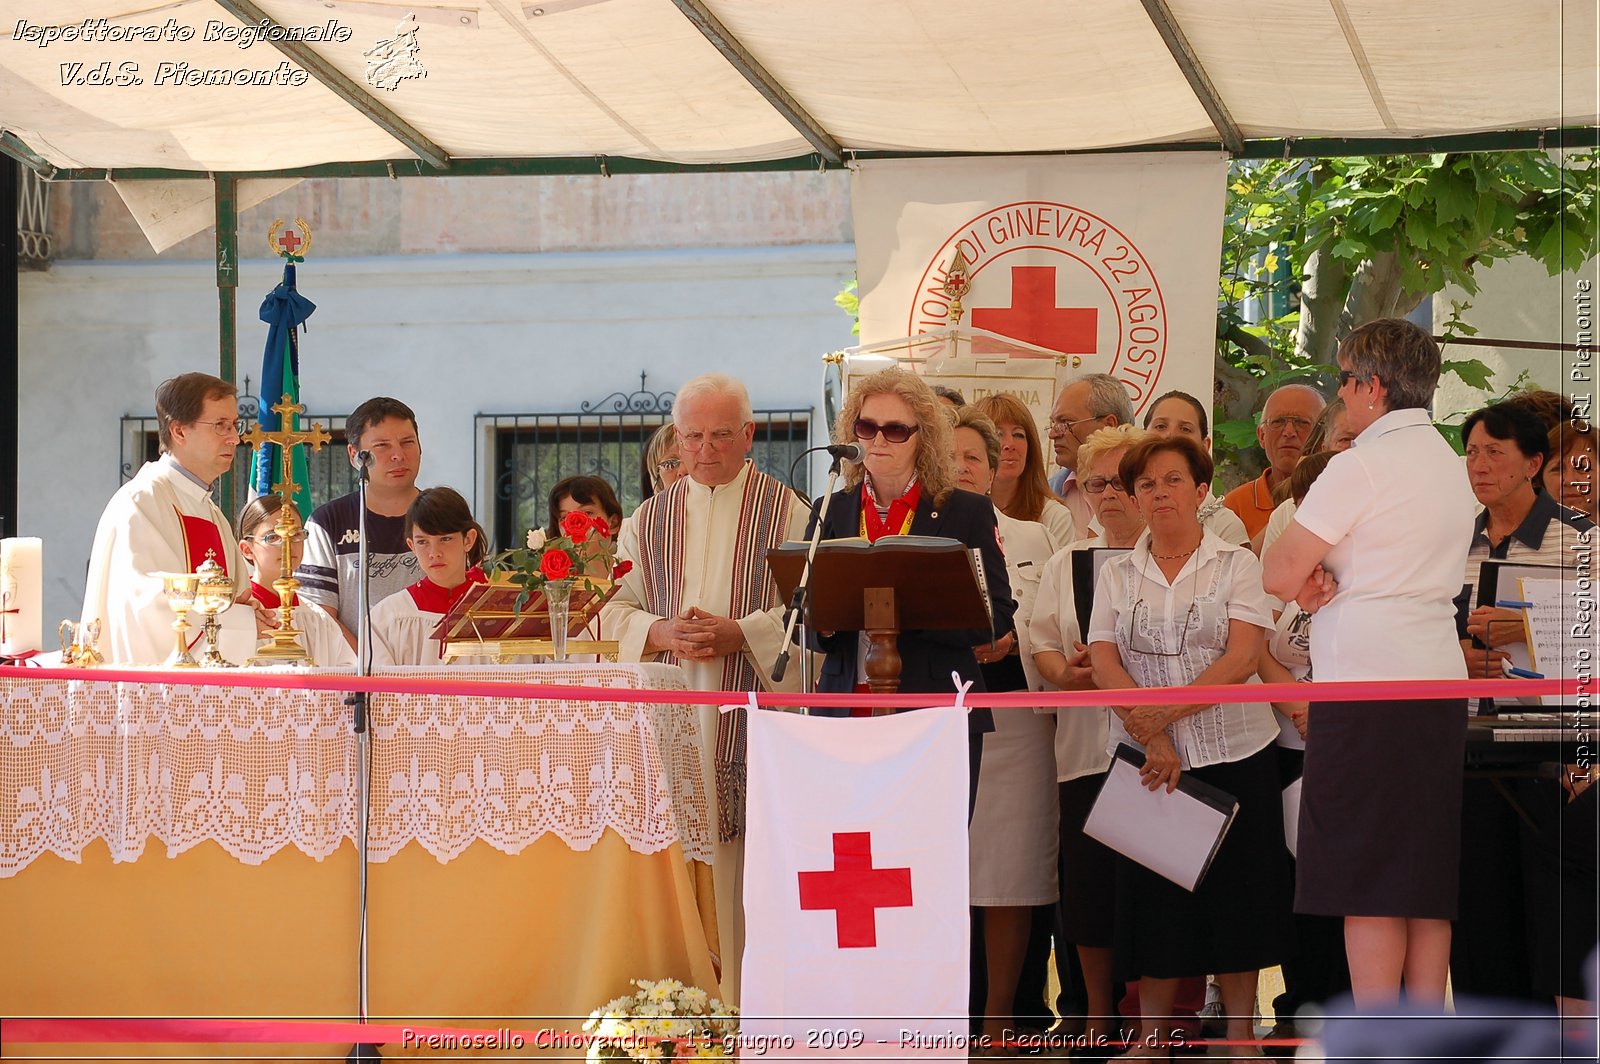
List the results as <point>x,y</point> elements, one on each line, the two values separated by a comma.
<point>486,622</point>
<point>897,584</point>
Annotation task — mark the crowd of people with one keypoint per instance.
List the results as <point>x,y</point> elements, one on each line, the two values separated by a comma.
<point>1355,555</point>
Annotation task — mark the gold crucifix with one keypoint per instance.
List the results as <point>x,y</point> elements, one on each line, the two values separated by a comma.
<point>285,647</point>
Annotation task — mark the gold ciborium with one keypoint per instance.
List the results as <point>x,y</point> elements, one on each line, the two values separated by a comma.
<point>213,594</point>
<point>180,589</point>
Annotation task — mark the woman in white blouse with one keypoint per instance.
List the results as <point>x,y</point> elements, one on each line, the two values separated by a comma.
<point>1184,607</point>
<point>1088,868</point>
<point>1013,834</point>
<point>1376,551</point>
<point>1178,413</point>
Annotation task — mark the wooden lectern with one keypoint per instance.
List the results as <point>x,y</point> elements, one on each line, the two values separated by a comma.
<point>896,584</point>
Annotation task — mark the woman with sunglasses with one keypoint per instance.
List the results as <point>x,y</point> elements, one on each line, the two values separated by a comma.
<point>1087,867</point>
<point>906,485</point>
<point>262,548</point>
<point>1185,608</point>
<point>1376,553</point>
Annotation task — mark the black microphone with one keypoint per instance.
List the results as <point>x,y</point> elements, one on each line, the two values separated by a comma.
<point>363,459</point>
<point>850,452</point>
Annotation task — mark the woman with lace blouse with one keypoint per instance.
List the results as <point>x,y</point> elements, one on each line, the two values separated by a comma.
<point>1186,608</point>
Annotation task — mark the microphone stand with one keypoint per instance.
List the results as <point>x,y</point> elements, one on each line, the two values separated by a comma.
<point>802,592</point>
<point>358,701</point>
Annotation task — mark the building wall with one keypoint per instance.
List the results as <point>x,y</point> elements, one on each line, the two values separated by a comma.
<point>433,306</point>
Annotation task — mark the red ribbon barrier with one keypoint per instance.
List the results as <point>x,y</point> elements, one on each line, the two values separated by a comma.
<point>1345,690</point>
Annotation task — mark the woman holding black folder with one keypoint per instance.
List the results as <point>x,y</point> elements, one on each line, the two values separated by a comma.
<point>1186,608</point>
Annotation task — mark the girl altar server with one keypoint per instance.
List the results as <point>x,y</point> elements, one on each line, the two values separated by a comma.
<point>262,547</point>
<point>449,546</point>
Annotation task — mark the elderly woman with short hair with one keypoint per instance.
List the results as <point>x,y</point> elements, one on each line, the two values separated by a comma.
<point>1382,585</point>
<point>1185,608</point>
<point>1013,834</point>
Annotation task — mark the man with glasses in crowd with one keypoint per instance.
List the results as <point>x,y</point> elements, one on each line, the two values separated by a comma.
<point>1089,402</point>
<point>164,521</point>
<point>1286,423</point>
<point>699,595</point>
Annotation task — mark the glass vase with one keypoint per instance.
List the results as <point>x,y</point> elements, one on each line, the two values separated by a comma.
<point>558,600</point>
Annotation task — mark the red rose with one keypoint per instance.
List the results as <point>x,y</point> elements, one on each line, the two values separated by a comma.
<point>577,525</point>
<point>601,527</point>
<point>555,564</point>
<point>621,569</point>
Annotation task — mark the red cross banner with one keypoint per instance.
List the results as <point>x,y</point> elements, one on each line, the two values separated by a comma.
<point>1109,259</point>
<point>855,885</point>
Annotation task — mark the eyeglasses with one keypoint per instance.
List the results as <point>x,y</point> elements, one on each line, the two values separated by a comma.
<point>893,431</point>
<point>1096,485</point>
<point>1146,485</point>
<point>1283,424</point>
<point>1139,622</point>
<point>272,539</point>
<point>1346,375</point>
<point>667,465</point>
<point>693,441</point>
<point>1059,425</point>
<point>225,428</point>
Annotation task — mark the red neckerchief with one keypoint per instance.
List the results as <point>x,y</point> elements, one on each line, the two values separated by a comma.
<point>266,596</point>
<point>901,512</point>
<point>431,598</point>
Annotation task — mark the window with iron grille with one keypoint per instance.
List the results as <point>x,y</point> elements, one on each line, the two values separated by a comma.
<point>522,456</point>
<point>330,469</point>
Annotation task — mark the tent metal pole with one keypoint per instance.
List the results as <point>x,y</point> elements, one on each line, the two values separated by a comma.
<point>10,347</point>
<point>225,188</point>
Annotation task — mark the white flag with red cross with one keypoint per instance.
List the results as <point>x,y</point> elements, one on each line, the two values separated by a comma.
<point>1108,259</point>
<point>855,884</point>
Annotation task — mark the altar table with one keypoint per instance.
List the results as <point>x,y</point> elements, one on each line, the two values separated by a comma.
<point>178,850</point>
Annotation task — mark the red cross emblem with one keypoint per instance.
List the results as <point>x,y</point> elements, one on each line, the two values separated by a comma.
<point>290,241</point>
<point>1034,318</point>
<point>855,890</point>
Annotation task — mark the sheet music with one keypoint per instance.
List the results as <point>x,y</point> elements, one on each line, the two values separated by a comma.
<point>1550,622</point>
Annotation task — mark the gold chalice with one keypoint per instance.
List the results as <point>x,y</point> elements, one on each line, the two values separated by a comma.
<point>213,594</point>
<point>180,589</point>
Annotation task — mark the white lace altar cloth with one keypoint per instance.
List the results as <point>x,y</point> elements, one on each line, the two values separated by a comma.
<point>257,770</point>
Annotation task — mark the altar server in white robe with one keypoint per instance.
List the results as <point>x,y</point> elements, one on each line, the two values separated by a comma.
<point>700,595</point>
<point>448,544</point>
<point>163,521</point>
<point>262,547</point>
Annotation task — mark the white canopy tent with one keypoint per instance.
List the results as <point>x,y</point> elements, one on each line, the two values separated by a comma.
<point>728,81</point>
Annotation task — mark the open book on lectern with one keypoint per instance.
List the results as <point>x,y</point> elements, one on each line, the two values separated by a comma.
<point>856,561</point>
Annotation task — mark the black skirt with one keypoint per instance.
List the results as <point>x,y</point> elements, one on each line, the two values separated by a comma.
<point>1237,920</point>
<point>1380,809</point>
<point>1088,868</point>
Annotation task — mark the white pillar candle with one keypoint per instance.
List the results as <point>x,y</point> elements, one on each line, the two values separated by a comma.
<point>21,596</point>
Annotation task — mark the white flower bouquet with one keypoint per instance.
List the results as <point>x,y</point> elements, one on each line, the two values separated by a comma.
<point>663,1021</point>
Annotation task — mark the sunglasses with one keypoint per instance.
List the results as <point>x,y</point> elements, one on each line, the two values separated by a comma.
<point>893,431</point>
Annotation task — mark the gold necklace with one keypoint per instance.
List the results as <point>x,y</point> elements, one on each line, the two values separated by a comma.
<point>1174,557</point>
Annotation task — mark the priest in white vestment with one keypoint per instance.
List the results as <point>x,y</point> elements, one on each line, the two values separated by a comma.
<point>162,521</point>
<point>699,594</point>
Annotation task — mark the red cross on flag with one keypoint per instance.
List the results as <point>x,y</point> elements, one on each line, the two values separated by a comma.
<point>855,882</point>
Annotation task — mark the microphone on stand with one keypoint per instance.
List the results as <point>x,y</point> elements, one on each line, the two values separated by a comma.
<point>363,462</point>
<point>849,452</point>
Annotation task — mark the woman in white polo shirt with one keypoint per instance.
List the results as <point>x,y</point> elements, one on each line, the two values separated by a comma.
<point>1376,551</point>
